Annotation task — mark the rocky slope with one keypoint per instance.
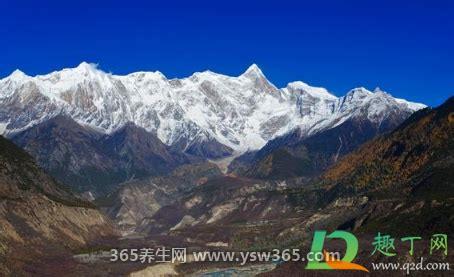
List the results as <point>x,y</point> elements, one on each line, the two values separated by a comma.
<point>402,176</point>
<point>296,154</point>
<point>214,212</point>
<point>206,114</point>
<point>138,200</point>
<point>39,217</point>
<point>398,184</point>
<point>88,160</point>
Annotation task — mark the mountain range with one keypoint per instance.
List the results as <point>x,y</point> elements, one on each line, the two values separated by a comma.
<point>356,192</point>
<point>209,162</point>
<point>242,113</point>
<point>402,176</point>
<point>93,130</point>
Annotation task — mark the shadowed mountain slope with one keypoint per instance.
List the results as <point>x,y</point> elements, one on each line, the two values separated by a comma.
<point>38,216</point>
<point>88,160</point>
<point>296,154</point>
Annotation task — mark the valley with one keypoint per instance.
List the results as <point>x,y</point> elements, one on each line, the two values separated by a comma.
<point>82,180</point>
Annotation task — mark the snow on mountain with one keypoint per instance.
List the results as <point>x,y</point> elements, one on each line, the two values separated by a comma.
<point>242,112</point>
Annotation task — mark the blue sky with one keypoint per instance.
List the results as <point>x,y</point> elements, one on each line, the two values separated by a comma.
<point>406,48</point>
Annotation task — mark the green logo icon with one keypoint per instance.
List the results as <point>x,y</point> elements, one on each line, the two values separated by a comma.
<point>329,264</point>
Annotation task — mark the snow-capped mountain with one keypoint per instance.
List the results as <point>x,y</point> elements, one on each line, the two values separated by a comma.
<point>241,112</point>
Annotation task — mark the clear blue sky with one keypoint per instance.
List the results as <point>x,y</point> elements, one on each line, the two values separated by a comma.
<point>405,48</point>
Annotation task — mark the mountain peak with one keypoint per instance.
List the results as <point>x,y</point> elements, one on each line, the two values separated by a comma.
<point>314,91</point>
<point>359,91</point>
<point>85,64</point>
<point>17,74</point>
<point>85,67</point>
<point>380,92</point>
<point>253,71</point>
<point>147,75</point>
<point>253,67</point>
<point>357,94</point>
<point>378,89</point>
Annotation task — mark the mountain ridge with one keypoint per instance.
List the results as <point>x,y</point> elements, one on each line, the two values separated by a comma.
<point>241,113</point>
